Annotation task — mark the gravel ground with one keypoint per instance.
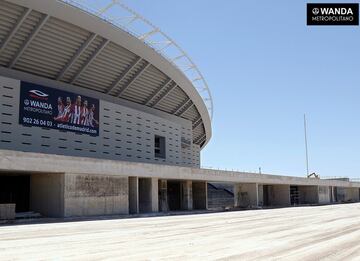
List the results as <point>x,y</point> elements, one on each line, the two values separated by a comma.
<point>301,233</point>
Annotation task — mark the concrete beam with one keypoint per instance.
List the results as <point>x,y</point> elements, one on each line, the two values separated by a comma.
<point>158,91</point>
<point>28,41</point>
<point>13,161</point>
<point>182,106</point>
<point>166,94</point>
<point>77,55</point>
<point>124,74</point>
<point>15,28</point>
<point>136,76</point>
<point>90,60</point>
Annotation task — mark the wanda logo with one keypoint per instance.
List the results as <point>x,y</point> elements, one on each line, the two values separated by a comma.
<point>39,95</point>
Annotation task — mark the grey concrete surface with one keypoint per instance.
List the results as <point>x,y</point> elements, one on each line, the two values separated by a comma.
<point>303,233</point>
<point>88,195</point>
<point>47,194</point>
<point>309,194</point>
<point>37,162</point>
<point>324,195</point>
<point>148,195</point>
<point>7,211</point>
<point>277,195</point>
<point>246,195</point>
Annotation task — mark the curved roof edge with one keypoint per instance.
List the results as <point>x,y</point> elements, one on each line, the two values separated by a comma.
<point>99,26</point>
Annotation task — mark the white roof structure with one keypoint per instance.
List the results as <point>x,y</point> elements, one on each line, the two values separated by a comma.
<point>105,46</point>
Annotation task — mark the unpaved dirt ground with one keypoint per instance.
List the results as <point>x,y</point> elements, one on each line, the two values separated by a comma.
<point>301,233</point>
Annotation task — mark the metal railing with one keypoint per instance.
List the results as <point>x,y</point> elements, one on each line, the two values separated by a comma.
<point>121,16</point>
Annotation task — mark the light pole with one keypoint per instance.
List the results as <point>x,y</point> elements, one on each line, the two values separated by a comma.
<point>306,148</point>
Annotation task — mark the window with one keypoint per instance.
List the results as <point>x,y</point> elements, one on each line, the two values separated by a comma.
<point>159,147</point>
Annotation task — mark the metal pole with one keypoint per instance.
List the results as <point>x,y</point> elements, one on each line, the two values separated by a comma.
<point>306,148</point>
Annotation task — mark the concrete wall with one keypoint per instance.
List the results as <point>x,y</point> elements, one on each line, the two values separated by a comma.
<point>277,195</point>
<point>246,195</point>
<point>26,162</point>
<point>324,195</point>
<point>47,194</point>
<point>340,194</point>
<point>309,194</point>
<point>199,189</point>
<point>124,133</point>
<point>352,194</point>
<point>87,195</point>
<point>7,211</point>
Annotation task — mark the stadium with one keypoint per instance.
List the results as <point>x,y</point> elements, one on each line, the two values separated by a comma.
<point>102,113</point>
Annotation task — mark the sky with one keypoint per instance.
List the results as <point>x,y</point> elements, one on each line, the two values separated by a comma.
<point>265,69</point>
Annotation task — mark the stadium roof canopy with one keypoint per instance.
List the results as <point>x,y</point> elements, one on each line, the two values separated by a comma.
<point>108,48</point>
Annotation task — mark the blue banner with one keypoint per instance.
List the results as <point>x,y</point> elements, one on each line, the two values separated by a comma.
<point>46,107</point>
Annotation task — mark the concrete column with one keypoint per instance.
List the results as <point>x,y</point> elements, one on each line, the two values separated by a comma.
<point>333,196</point>
<point>324,195</point>
<point>246,195</point>
<point>154,194</point>
<point>133,195</point>
<point>187,195</point>
<point>163,200</point>
<point>260,195</point>
<point>148,195</point>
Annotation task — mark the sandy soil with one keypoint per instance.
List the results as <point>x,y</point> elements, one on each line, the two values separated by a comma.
<point>302,233</point>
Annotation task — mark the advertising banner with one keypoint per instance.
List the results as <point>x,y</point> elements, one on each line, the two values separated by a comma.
<point>46,107</point>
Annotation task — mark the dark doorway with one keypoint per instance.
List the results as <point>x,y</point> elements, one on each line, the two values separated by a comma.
<point>145,195</point>
<point>174,197</point>
<point>266,195</point>
<point>16,190</point>
<point>294,195</point>
<point>335,194</point>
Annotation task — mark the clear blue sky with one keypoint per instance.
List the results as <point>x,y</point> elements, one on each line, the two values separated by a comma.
<point>266,68</point>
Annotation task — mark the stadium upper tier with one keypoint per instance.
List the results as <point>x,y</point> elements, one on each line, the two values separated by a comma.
<point>72,43</point>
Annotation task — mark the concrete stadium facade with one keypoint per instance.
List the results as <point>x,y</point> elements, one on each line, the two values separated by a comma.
<point>148,124</point>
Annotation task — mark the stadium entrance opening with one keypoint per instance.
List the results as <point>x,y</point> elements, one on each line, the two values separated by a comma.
<point>15,189</point>
<point>174,196</point>
<point>34,194</point>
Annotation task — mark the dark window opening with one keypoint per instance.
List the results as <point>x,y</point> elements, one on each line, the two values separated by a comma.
<point>160,147</point>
